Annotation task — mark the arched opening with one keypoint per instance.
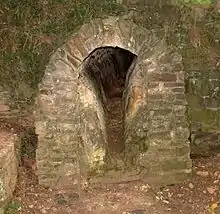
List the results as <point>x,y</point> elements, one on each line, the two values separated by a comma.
<point>107,68</point>
<point>72,128</point>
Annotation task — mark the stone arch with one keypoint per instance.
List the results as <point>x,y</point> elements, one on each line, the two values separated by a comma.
<point>71,144</point>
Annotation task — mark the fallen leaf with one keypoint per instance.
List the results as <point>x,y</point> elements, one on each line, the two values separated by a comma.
<point>213,207</point>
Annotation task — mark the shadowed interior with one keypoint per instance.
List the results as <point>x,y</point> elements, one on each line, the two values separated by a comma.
<point>107,68</point>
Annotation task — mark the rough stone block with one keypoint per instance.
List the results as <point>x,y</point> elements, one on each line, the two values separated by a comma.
<point>208,118</point>
<point>205,143</point>
<point>9,158</point>
<point>202,93</point>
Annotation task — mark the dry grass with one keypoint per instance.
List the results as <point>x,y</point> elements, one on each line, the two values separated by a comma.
<point>31,29</point>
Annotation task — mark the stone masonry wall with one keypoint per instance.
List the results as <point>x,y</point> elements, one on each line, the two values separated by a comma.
<point>203,96</point>
<point>168,133</point>
<point>59,105</point>
<point>56,126</point>
<point>4,103</point>
<point>158,130</point>
<point>70,120</point>
<point>9,159</point>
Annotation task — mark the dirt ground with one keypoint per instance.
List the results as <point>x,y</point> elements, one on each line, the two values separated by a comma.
<point>194,196</point>
<point>30,32</point>
<point>114,125</point>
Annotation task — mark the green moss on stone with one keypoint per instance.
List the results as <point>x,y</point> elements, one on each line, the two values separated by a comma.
<point>202,86</point>
<point>199,86</point>
<point>96,161</point>
<point>194,101</point>
<point>193,2</point>
<point>211,103</point>
<point>176,164</point>
<point>13,208</point>
<point>209,119</point>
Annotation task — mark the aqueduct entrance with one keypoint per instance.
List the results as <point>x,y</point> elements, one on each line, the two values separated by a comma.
<point>75,102</point>
<point>107,68</point>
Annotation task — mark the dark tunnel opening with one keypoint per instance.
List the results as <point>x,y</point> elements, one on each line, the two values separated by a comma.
<point>107,68</point>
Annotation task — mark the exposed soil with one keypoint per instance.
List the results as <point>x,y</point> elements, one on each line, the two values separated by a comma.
<point>193,196</point>
<point>26,43</point>
<point>115,125</point>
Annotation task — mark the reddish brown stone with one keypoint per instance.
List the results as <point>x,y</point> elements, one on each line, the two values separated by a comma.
<point>214,137</point>
<point>9,158</point>
<point>167,77</point>
<point>4,108</point>
<point>154,77</point>
<point>154,96</point>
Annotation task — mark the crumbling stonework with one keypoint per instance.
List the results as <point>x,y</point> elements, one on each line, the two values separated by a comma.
<point>4,103</point>
<point>70,120</point>
<point>9,158</point>
<point>203,93</point>
<point>159,131</point>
